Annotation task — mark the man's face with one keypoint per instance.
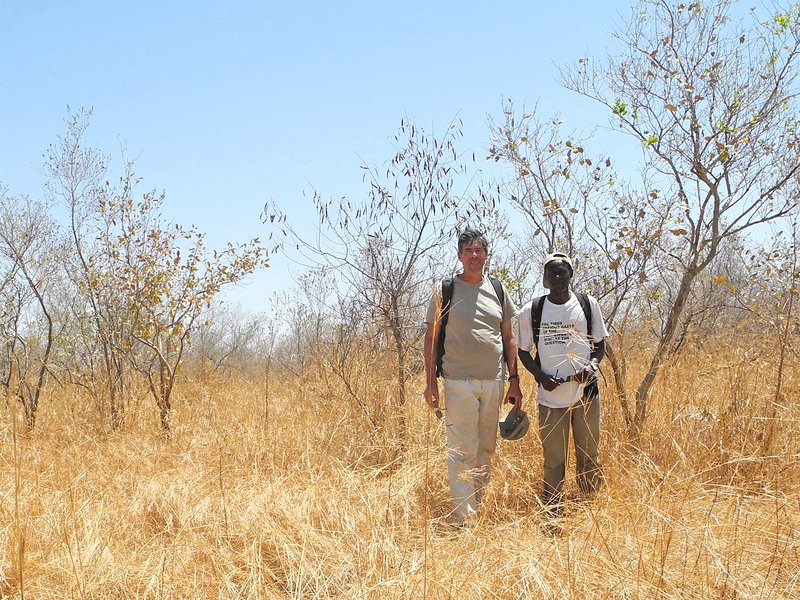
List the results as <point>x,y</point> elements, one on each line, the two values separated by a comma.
<point>557,275</point>
<point>473,256</point>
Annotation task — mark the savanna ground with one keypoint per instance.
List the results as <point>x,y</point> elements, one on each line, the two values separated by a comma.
<point>278,487</point>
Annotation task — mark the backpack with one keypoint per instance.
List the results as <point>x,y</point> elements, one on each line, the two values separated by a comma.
<point>447,298</point>
<point>537,306</point>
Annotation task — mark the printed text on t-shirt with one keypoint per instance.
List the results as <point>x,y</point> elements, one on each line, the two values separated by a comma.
<point>556,333</point>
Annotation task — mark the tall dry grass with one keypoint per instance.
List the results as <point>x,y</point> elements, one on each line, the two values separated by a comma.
<point>296,496</point>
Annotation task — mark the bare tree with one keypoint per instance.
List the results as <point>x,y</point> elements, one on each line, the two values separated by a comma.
<point>385,247</point>
<point>775,269</point>
<point>575,202</point>
<point>713,101</point>
<point>76,175</point>
<point>229,340</point>
<point>28,246</point>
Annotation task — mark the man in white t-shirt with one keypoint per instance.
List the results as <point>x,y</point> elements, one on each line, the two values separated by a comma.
<point>479,351</point>
<point>565,367</point>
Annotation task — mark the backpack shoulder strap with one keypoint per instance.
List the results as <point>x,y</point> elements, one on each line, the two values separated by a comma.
<point>501,298</point>
<point>587,312</point>
<point>591,390</point>
<point>537,306</point>
<point>499,291</point>
<point>447,300</point>
<point>444,314</point>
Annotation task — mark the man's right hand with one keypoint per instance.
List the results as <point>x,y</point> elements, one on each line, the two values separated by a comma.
<point>551,382</point>
<point>432,395</point>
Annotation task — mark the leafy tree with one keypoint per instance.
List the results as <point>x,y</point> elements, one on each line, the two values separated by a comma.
<point>145,282</point>
<point>159,278</point>
<point>713,102</point>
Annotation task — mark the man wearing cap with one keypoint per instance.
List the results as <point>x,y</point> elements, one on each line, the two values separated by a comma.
<point>478,346</point>
<point>565,367</point>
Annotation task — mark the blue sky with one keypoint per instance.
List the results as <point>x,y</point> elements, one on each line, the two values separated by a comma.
<point>228,105</point>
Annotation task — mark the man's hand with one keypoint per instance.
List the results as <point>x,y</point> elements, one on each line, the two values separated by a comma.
<point>587,374</point>
<point>551,382</point>
<point>432,395</point>
<point>514,395</point>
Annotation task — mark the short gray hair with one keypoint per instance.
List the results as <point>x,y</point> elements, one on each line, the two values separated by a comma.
<point>472,235</point>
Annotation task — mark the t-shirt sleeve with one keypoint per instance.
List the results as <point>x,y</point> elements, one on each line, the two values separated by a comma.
<point>509,310</point>
<point>523,332</point>
<point>599,331</point>
<point>430,316</point>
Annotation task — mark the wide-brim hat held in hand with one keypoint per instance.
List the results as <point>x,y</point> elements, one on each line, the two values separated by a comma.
<point>515,425</point>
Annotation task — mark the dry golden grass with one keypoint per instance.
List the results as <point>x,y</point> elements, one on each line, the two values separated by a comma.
<point>296,497</point>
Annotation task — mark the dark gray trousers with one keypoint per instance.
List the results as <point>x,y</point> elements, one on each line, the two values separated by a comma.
<point>554,425</point>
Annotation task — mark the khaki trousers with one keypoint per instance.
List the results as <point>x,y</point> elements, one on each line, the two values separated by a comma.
<point>473,410</point>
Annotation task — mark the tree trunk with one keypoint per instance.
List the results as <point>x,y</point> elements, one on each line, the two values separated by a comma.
<point>619,372</point>
<point>116,387</point>
<point>643,392</point>
<point>165,383</point>
<point>397,333</point>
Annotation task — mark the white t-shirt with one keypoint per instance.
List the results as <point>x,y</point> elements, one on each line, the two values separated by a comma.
<point>564,345</point>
